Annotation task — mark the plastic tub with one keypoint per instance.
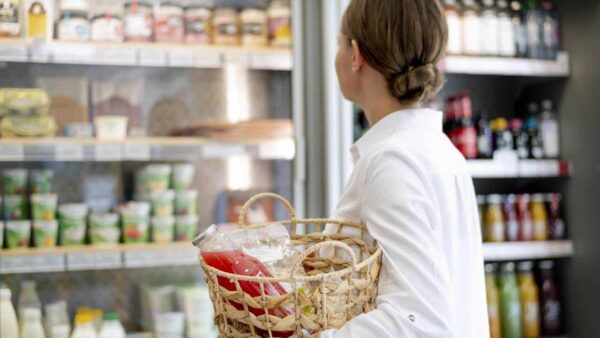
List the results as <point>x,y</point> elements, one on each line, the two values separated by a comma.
<point>18,234</point>
<point>186,202</point>
<point>162,203</point>
<point>15,181</point>
<point>15,207</point>
<point>42,181</point>
<point>183,176</point>
<point>186,228</point>
<point>135,218</point>
<point>43,207</point>
<point>111,127</point>
<point>163,229</point>
<point>72,223</point>
<point>45,233</point>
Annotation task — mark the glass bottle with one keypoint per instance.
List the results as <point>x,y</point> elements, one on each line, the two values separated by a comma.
<point>524,217</point>
<point>490,33</point>
<point>519,28</point>
<point>31,323</point>
<point>520,137</point>
<point>557,229</point>
<point>465,134</point>
<point>280,23</point>
<point>454,20</point>
<point>551,40</point>
<point>503,139</point>
<point>9,326</point>
<point>534,30</point>
<point>481,213</point>
<point>484,137</point>
<point>539,217</point>
<point>494,220</point>
<point>550,300</point>
<point>549,130</point>
<point>471,28</point>
<point>530,305</point>
<point>536,150</point>
<point>28,298</point>
<point>493,300</point>
<point>111,326</point>
<point>510,218</point>
<point>506,31</point>
<point>84,326</point>
<point>510,302</point>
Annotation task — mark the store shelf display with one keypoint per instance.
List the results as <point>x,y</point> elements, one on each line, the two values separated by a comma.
<point>510,251</point>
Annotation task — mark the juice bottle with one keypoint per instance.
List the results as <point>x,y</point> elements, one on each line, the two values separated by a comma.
<point>524,218</point>
<point>9,327</point>
<point>510,303</point>
<point>481,213</point>
<point>539,217</point>
<point>510,218</point>
<point>530,306</point>
<point>493,301</point>
<point>31,324</point>
<point>556,225</point>
<point>550,300</point>
<point>494,220</point>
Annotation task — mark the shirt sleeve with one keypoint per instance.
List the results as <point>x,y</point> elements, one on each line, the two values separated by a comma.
<point>400,214</point>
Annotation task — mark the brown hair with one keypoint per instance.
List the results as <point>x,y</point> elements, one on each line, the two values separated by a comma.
<point>403,40</point>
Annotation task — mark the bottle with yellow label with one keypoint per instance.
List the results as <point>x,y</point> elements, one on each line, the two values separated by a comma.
<point>493,301</point>
<point>530,306</point>
<point>494,220</point>
<point>539,217</point>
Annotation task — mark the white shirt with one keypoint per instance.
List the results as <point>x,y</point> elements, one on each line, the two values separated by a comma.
<point>412,189</point>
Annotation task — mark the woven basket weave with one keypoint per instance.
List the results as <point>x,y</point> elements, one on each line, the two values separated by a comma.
<point>337,288</point>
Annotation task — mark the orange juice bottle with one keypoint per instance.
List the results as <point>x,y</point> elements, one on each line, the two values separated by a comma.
<point>492,301</point>
<point>530,306</point>
<point>494,220</point>
<point>539,217</point>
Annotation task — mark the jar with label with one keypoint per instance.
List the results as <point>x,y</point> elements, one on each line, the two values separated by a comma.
<point>138,21</point>
<point>493,300</point>
<point>550,300</point>
<point>530,306</point>
<point>168,22</point>
<point>507,43</point>
<point>510,217</point>
<point>557,229</point>
<point>73,26</point>
<point>198,24</point>
<point>510,302</point>
<point>454,20</point>
<point>539,217</point>
<point>494,220</point>
<point>471,33</point>
<point>524,217</point>
<point>280,23</point>
<point>519,28</point>
<point>37,18</point>
<point>107,24</point>
<point>226,27</point>
<point>254,28</point>
<point>10,18</point>
<point>502,137</point>
<point>490,34</point>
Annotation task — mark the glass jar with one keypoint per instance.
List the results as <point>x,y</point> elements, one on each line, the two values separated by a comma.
<point>254,28</point>
<point>490,34</point>
<point>471,33</point>
<point>507,44</point>
<point>107,26</point>
<point>454,20</point>
<point>168,22</point>
<point>226,27</point>
<point>198,24</point>
<point>73,26</point>
<point>10,19</point>
<point>494,220</point>
<point>138,21</point>
<point>539,217</point>
<point>280,23</point>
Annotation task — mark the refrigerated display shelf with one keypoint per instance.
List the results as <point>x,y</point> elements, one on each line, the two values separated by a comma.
<point>144,149</point>
<point>488,65</point>
<point>518,168</point>
<point>527,250</point>
<point>145,54</point>
<point>89,258</point>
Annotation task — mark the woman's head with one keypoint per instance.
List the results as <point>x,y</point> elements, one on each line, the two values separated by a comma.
<point>394,42</point>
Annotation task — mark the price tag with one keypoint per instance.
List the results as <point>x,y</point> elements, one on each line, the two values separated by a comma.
<point>236,57</point>
<point>13,52</point>
<point>114,56</point>
<point>50,263</point>
<point>208,59</point>
<point>12,152</point>
<point>69,152</point>
<point>108,152</point>
<point>184,257</point>
<point>278,60</point>
<point>180,57</point>
<point>108,260</point>
<point>222,150</point>
<point>152,57</point>
<point>277,150</point>
<point>32,263</point>
<point>72,53</point>
<point>137,151</point>
<point>40,51</point>
<point>81,261</point>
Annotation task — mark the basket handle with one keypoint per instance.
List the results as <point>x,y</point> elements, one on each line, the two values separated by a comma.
<point>314,248</point>
<point>266,195</point>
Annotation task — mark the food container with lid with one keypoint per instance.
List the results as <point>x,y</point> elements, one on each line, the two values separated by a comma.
<point>42,181</point>
<point>111,127</point>
<point>18,234</point>
<point>107,27</point>
<point>162,203</point>
<point>10,19</point>
<point>73,26</point>
<point>186,202</point>
<point>163,229</point>
<point>183,176</point>
<point>43,206</point>
<point>280,23</point>
<point>15,207</point>
<point>138,21</point>
<point>15,181</point>
<point>45,233</point>
<point>198,24</point>
<point>168,22</point>
<point>254,28</point>
<point>186,228</point>
<point>154,178</point>
<point>226,27</point>
<point>72,223</point>
<point>104,228</point>
<point>135,219</point>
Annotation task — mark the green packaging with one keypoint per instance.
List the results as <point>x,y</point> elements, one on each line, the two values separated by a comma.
<point>1,234</point>
<point>104,229</point>
<point>15,207</point>
<point>42,181</point>
<point>135,219</point>
<point>155,178</point>
<point>18,234</point>
<point>72,224</point>
<point>183,176</point>
<point>162,203</point>
<point>163,229</point>
<point>186,228</point>
<point>45,233</point>
<point>186,202</point>
<point>43,207</point>
<point>15,181</point>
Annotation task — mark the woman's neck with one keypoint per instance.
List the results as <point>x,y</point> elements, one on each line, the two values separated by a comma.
<point>382,109</point>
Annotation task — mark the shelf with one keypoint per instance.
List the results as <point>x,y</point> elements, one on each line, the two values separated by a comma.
<point>527,250</point>
<point>89,258</point>
<point>510,168</point>
<point>145,54</point>
<point>143,149</point>
<point>487,65</point>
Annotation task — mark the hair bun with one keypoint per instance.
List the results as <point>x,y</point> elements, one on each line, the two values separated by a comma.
<point>417,84</point>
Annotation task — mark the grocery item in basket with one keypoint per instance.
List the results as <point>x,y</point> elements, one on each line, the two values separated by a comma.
<point>162,203</point>
<point>186,227</point>
<point>45,233</point>
<point>168,22</point>
<point>15,207</point>
<point>185,202</point>
<point>42,181</point>
<point>198,24</point>
<point>135,219</point>
<point>163,229</point>
<point>15,181</point>
<point>183,176</point>
<point>43,206</point>
<point>18,234</point>
<point>104,228</point>
<point>72,223</point>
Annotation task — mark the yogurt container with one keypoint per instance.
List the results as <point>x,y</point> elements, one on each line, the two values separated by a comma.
<point>104,228</point>
<point>185,202</point>
<point>186,228</point>
<point>183,176</point>
<point>42,181</point>
<point>15,181</point>
<point>18,234</point>
<point>135,219</point>
<point>163,229</point>
<point>45,233</point>
<point>162,203</point>
<point>15,207</point>
<point>72,223</point>
<point>43,206</point>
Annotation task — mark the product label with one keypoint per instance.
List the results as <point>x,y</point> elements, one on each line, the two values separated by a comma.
<point>227,29</point>
<point>74,29</point>
<point>107,29</point>
<point>138,26</point>
<point>254,29</point>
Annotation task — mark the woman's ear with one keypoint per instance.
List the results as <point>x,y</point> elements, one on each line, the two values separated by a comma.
<point>357,58</point>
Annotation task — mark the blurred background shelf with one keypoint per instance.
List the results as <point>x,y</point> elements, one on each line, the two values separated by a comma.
<point>144,149</point>
<point>527,250</point>
<point>90,258</point>
<point>486,65</point>
<point>481,169</point>
<point>145,54</point>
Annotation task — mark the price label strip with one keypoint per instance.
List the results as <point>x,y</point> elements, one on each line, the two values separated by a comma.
<point>152,57</point>
<point>114,56</point>
<point>12,152</point>
<point>69,152</point>
<point>180,57</point>
<point>211,151</point>
<point>137,152</point>
<point>13,52</point>
<point>108,152</point>
<point>145,258</point>
<point>184,257</point>
<point>32,264</point>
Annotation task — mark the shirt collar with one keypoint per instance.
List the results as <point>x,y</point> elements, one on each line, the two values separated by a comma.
<point>417,118</point>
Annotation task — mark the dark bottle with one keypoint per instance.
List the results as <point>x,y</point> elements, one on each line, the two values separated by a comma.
<point>557,229</point>
<point>535,142</point>
<point>520,138</point>
<point>524,218</point>
<point>533,19</point>
<point>484,137</point>
<point>550,300</point>
<point>519,28</point>
<point>550,34</point>
<point>510,218</point>
<point>465,134</point>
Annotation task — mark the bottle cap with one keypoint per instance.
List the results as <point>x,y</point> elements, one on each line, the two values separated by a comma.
<point>491,268</point>
<point>480,199</point>
<point>507,267</point>
<point>5,293</point>
<point>516,124</point>
<point>208,233</point>
<point>111,316</point>
<point>537,198</point>
<point>494,199</point>
<point>546,265</point>
<point>547,105</point>
<point>511,198</point>
<point>525,266</point>
<point>83,318</point>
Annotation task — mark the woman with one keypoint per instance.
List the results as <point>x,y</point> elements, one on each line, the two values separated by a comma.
<point>410,186</point>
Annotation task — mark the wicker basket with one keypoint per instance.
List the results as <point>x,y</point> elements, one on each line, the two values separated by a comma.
<point>338,287</point>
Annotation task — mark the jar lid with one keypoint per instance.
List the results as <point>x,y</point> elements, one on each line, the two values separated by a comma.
<point>494,199</point>
<point>525,266</point>
<point>537,198</point>
<point>211,231</point>
<point>74,5</point>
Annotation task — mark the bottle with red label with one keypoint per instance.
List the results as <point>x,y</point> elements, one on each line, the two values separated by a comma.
<point>550,300</point>
<point>464,135</point>
<point>510,219</point>
<point>524,218</point>
<point>557,229</point>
